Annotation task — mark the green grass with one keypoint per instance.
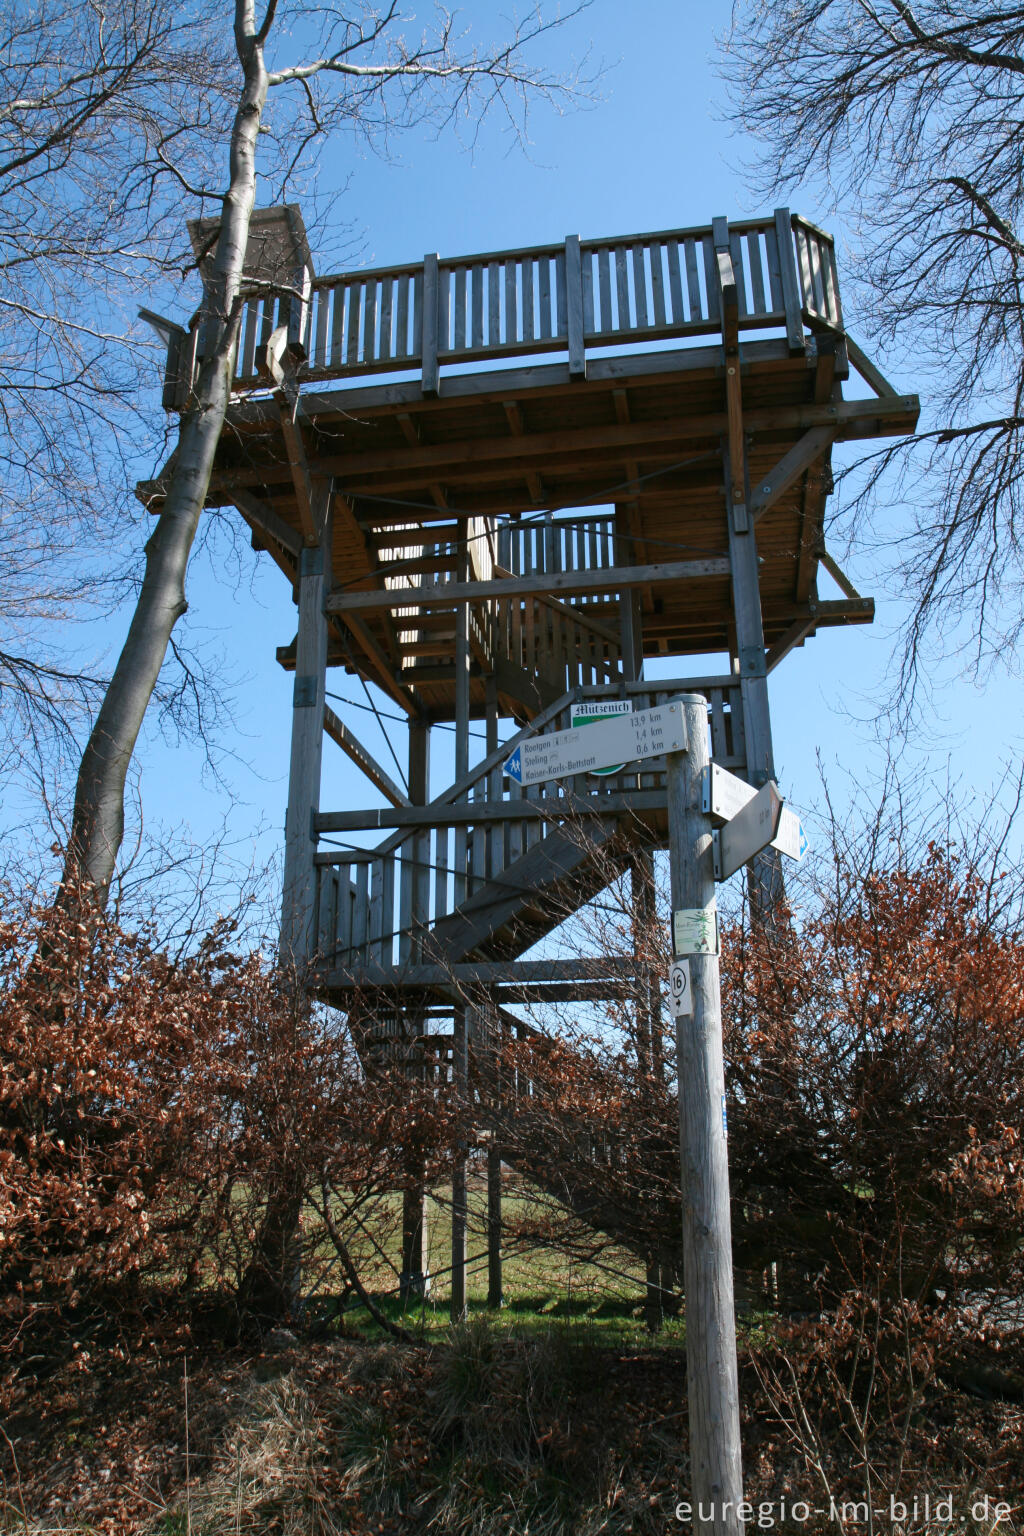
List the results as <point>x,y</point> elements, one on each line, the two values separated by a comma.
<point>602,1299</point>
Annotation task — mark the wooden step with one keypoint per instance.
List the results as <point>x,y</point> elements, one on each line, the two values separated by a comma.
<point>533,895</point>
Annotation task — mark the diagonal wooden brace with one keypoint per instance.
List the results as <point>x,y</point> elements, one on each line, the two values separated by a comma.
<point>789,469</point>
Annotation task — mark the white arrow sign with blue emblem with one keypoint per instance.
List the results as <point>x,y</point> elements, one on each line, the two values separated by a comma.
<point>724,796</point>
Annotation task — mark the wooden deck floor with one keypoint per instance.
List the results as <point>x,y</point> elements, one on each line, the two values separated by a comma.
<point>641,433</point>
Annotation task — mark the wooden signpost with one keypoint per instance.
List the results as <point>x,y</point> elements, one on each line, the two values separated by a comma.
<point>711,1372</point>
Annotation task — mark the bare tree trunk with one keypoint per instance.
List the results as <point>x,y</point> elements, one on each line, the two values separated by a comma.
<point>97,824</point>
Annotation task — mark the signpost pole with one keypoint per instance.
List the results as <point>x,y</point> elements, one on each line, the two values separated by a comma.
<point>712,1386</point>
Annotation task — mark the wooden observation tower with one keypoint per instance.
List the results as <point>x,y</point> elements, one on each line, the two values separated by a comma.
<point>503,486</point>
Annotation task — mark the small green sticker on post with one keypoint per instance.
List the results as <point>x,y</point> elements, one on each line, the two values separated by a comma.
<point>695,930</point>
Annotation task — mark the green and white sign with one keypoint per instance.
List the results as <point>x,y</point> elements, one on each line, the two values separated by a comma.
<point>592,710</point>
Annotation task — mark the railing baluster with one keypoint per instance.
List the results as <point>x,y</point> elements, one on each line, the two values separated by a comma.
<point>714,309</point>
<point>698,310</point>
<point>624,321</point>
<point>247,370</point>
<point>378,918</point>
<point>605,281</point>
<point>355,296</point>
<point>771,246</point>
<point>432,335</point>
<point>319,299</point>
<point>804,268</point>
<point>477,274</point>
<point>440,873</point>
<point>493,305</point>
<point>444,309</point>
<point>657,283</point>
<point>736,252</point>
<point>675,283</point>
<point>526,267</point>
<point>563,320</point>
<point>460,310</point>
<point>417,316</point>
<point>753,240</point>
<point>386,300</point>
<point>402,318</point>
<point>343,937</point>
<point>370,323</point>
<point>588,293</point>
<point>835,310</point>
<point>388,907</point>
<point>640,286</point>
<point>790,280</point>
<point>511,305</point>
<point>545,297</point>
<point>360,912</point>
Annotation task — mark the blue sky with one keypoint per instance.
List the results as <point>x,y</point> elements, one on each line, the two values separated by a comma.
<point>655,151</point>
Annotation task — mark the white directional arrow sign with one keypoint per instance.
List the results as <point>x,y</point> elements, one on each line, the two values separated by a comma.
<point>750,830</point>
<point>724,795</point>
<point>647,733</point>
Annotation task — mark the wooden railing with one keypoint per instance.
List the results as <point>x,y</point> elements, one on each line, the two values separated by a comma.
<point>377,906</point>
<point>582,543</point>
<point>553,298</point>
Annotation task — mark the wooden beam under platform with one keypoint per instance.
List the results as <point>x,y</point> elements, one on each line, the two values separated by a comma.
<point>444,594</point>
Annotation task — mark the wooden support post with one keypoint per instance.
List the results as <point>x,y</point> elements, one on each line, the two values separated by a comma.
<point>495,1279</point>
<point>648,1030</point>
<point>631,635</point>
<point>298,933</point>
<point>419,794</point>
<point>415,1277</point>
<point>460,1052</point>
<point>414,1282</point>
<point>728,294</point>
<point>463,665</point>
<point>429,336</point>
<point>495,1288</point>
<point>711,1373</point>
<point>460,1194</point>
<point>575,342</point>
<point>765,879</point>
<point>790,280</point>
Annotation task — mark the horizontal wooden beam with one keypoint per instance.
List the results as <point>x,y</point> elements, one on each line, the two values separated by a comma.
<point>339,733</point>
<point>501,384</point>
<point>464,455</point>
<point>851,419</point>
<point>853,610</point>
<point>478,812</point>
<point>483,973</point>
<point>444,594</point>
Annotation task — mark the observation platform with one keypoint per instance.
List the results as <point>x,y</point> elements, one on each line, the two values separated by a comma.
<point>554,435</point>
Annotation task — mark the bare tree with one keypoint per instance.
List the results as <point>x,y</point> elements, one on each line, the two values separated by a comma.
<point>87,95</point>
<point>355,71</point>
<point>911,115</point>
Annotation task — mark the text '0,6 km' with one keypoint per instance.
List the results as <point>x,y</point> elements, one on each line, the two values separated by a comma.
<point>647,733</point>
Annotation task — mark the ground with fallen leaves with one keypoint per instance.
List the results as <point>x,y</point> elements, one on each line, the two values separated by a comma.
<point>482,1433</point>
